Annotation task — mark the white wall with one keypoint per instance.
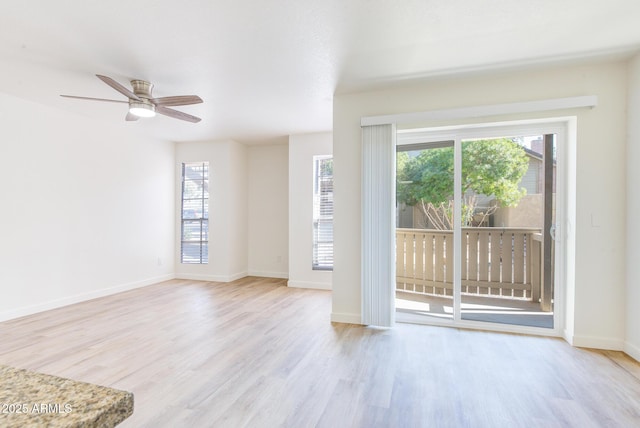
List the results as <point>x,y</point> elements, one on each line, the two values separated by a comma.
<point>632,345</point>
<point>87,208</point>
<point>302,149</point>
<point>227,209</point>
<point>268,210</point>
<point>237,210</point>
<point>598,319</point>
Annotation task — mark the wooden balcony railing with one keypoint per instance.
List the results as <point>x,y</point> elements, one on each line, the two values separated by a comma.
<point>498,262</point>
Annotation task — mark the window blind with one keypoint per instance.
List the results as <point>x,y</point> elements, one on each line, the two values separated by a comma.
<point>323,213</point>
<point>194,247</point>
<point>378,225</point>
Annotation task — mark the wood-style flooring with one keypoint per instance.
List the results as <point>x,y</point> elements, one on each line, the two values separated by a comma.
<point>254,353</point>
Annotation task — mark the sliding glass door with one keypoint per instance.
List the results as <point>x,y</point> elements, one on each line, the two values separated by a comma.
<point>476,215</point>
<point>424,234</point>
<point>504,207</point>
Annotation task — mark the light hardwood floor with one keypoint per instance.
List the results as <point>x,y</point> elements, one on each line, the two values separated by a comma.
<point>258,354</point>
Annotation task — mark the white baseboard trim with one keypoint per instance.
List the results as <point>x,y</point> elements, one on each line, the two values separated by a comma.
<point>632,350</point>
<point>211,278</point>
<point>346,318</point>
<point>266,274</point>
<point>567,336</point>
<point>309,284</point>
<point>597,343</point>
<point>78,298</point>
<point>238,275</point>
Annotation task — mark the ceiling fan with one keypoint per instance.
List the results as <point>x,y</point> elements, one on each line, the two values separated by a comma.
<point>143,104</point>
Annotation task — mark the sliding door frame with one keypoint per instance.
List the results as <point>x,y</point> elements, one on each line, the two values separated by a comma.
<point>563,128</point>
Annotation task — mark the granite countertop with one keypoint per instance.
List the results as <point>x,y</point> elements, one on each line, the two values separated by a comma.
<point>30,399</point>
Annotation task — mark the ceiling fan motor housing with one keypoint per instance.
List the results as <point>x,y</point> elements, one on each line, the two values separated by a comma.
<point>141,88</point>
<point>144,107</point>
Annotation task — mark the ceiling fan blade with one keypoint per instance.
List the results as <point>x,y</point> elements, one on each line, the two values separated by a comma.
<point>180,100</point>
<point>118,87</point>
<point>95,99</point>
<point>131,117</point>
<point>177,114</point>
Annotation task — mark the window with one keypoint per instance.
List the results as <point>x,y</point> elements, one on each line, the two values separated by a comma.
<point>194,246</point>
<point>322,213</point>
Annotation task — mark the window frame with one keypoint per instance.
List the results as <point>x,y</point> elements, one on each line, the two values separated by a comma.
<point>202,221</point>
<point>322,259</point>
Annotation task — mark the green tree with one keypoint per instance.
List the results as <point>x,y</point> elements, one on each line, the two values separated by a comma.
<point>489,167</point>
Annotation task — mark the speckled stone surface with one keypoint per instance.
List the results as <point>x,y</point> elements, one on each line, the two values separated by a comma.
<point>30,399</point>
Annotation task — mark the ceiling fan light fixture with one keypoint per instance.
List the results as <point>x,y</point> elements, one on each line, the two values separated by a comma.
<point>142,109</point>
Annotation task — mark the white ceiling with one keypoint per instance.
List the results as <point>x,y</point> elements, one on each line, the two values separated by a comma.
<point>267,69</point>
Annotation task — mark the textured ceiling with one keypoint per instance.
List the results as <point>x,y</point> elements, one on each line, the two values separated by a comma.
<point>266,69</point>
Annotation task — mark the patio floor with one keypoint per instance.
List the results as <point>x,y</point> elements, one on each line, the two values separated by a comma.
<point>476,308</point>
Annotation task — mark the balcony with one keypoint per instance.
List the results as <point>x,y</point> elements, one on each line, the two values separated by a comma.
<point>501,273</point>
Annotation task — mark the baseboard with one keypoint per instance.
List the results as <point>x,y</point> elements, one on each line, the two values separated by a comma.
<point>632,350</point>
<point>567,336</point>
<point>309,284</point>
<point>266,274</point>
<point>211,278</point>
<point>346,318</point>
<point>78,298</point>
<point>597,343</point>
<point>235,276</point>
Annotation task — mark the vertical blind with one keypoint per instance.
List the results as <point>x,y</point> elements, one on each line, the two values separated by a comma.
<point>323,213</point>
<point>378,225</point>
<point>194,247</point>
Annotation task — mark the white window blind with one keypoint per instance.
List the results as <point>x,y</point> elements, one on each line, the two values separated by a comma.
<point>194,246</point>
<point>378,225</point>
<point>322,213</point>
